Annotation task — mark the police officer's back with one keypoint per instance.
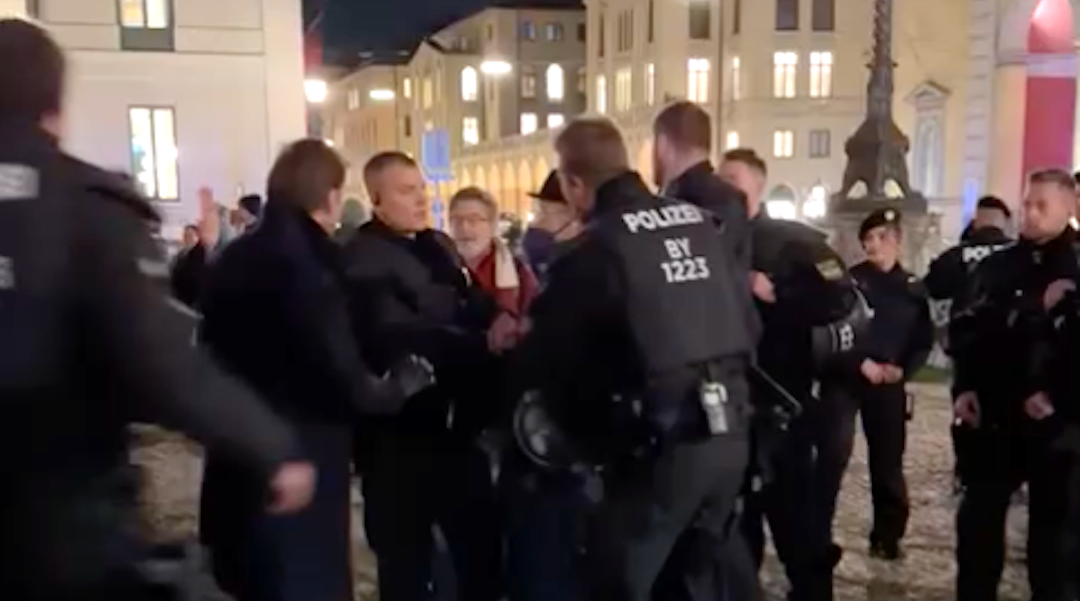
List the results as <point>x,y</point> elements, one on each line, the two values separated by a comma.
<point>89,343</point>
<point>646,308</point>
<point>1006,394</point>
<point>682,144</point>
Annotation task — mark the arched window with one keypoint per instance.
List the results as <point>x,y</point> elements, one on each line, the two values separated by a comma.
<point>556,83</point>
<point>470,85</point>
<point>782,203</point>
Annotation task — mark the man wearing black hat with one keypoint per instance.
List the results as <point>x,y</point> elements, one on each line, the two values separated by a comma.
<point>554,222</point>
<point>870,380</point>
<point>247,213</point>
<point>951,272</point>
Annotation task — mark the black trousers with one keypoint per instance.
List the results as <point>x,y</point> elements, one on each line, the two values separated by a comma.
<point>786,502</point>
<point>412,486</point>
<point>689,492</point>
<point>884,420</point>
<point>998,464</point>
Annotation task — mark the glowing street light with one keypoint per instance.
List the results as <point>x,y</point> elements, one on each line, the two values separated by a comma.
<point>381,95</point>
<point>495,67</point>
<point>315,90</point>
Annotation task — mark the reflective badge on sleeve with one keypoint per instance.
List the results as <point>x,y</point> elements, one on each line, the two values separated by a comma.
<point>18,182</point>
<point>830,269</point>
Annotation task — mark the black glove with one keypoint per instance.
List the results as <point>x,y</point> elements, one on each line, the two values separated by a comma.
<point>411,375</point>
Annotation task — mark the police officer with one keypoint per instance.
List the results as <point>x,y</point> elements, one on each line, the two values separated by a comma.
<point>682,134</point>
<point>89,344</point>
<point>639,346</point>
<point>950,273</point>
<point>799,284</point>
<point>870,380</point>
<point>1009,391</point>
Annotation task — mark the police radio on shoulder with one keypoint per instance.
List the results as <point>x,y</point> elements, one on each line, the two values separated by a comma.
<point>682,265</point>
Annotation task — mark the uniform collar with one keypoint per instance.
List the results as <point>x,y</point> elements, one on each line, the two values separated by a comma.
<point>618,192</point>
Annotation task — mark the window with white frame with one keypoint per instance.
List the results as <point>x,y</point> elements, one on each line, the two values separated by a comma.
<point>352,99</point>
<point>154,156</point>
<point>650,84</point>
<point>555,120</point>
<point>785,66</point>
<point>820,142</point>
<point>783,144</point>
<point>601,94</point>
<point>697,80</point>
<point>732,140</point>
<point>406,88</point>
<point>821,67</point>
<point>470,84</point>
<point>624,89</point>
<point>470,131</point>
<point>528,123</point>
<point>528,82</point>
<point>556,83</point>
<point>146,25</point>
<point>554,32</point>
<point>427,93</point>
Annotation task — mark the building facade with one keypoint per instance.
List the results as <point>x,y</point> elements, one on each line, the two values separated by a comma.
<point>183,94</point>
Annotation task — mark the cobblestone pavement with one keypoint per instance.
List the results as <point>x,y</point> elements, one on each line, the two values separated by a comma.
<point>926,575</point>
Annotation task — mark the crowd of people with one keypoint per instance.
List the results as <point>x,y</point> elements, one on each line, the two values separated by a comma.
<point>612,410</point>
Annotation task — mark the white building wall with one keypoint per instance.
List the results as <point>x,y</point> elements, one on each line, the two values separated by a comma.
<point>234,81</point>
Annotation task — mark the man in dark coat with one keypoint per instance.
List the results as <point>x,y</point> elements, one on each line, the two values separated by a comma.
<point>274,313</point>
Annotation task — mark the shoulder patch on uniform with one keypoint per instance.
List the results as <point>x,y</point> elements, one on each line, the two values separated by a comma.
<point>18,182</point>
<point>153,268</point>
<point>830,269</point>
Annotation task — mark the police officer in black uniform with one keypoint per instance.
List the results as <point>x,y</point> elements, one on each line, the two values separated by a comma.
<point>89,344</point>
<point>800,284</point>
<point>870,380</point>
<point>1010,393</point>
<point>951,272</point>
<point>682,135</point>
<point>639,345</point>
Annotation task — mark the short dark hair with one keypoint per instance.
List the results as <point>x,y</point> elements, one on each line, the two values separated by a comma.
<point>748,157</point>
<point>994,203</point>
<point>476,194</point>
<point>32,76</point>
<point>380,162</point>
<point>593,149</point>
<point>1060,177</point>
<point>686,125</point>
<point>305,173</point>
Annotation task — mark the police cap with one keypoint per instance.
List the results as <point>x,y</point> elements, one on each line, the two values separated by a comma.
<point>551,191</point>
<point>881,217</point>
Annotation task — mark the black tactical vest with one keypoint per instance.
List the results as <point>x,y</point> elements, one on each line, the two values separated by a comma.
<point>686,302</point>
<point>34,257</point>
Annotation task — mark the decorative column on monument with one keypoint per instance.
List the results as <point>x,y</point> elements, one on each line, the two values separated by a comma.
<point>876,175</point>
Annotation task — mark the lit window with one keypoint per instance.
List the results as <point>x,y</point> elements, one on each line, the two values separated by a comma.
<point>601,94</point>
<point>697,80</point>
<point>554,32</point>
<point>469,84</point>
<point>650,84</point>
<point>153,152</point>
<point>555,120</point>
<point>528,83</point>
<point>470,131</point>
<point>624,91</point>
<point>144,14</point>
<point>407,88</point>
<point>784,68</point>
<point>352,99</point>
<point>736,78</point>
<point>732,140</point>
<point>427,93</point>
<point>816,205</point>
<point>821,64</point>
<point>528,123</point>
<point>783,144</point>
<point>556,83</point>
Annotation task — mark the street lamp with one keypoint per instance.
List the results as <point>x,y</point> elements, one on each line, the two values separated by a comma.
<point>381,95</point>
<point>315,90</point>
<point>495,67</point>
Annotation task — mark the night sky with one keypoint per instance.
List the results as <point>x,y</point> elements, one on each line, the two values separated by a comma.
<point>383,26</point>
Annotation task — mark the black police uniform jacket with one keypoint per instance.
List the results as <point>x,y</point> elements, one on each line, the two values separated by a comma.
<point>414,296</point>
<point>901,332</point>
<point>700,186</point>
<point>122,354</point>
<point>950,273</point>
<point>275,313</point>
<point>641,300</point>
<point>1001,339</point>
<point>813,289</point>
